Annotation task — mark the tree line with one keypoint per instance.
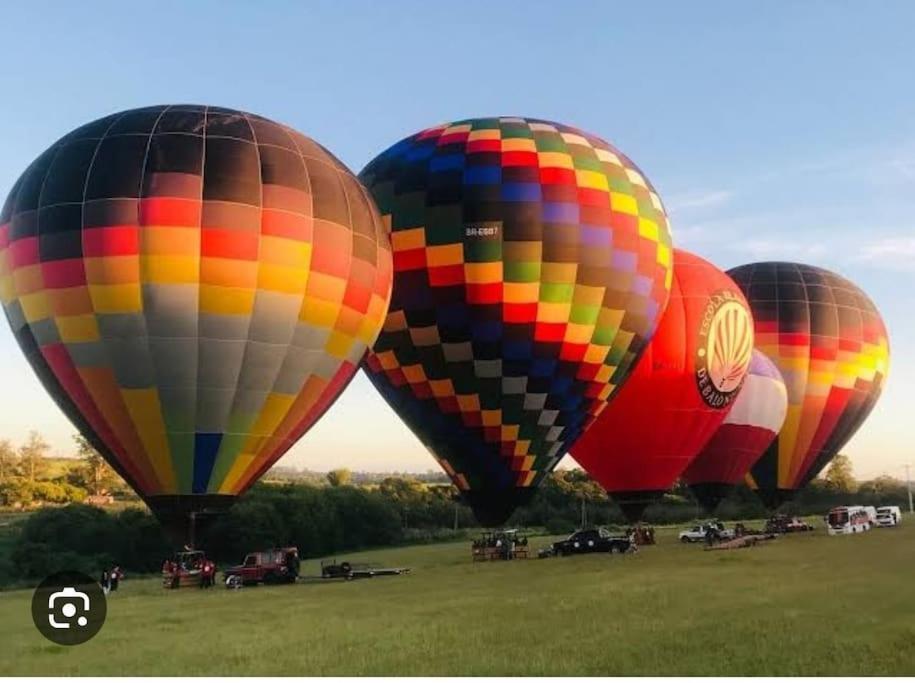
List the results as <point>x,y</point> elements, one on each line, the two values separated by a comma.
<point>326,514</point>
<point>336,516</point>
<point>29,476</point>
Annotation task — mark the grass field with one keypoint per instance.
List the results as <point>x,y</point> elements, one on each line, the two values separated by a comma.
<point>800,605</point>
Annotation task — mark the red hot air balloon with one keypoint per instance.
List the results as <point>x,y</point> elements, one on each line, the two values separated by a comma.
<point>755,418</point>
<point>679,392</point>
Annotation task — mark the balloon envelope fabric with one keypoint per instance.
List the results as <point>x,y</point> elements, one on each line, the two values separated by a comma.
<point>753,422</point>
<point>678,393</point>
<point>194,286</point>
<point>830,344</point>
<point>532,262</point>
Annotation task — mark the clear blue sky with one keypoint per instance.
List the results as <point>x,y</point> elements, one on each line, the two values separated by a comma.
<point>772,130</point>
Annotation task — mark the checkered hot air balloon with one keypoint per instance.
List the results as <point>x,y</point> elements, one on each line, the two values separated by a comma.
<point>753,422</point>
<point>678,394</point>
<point>532,262</point>
<point>194,286</point>
<point>831,346</point>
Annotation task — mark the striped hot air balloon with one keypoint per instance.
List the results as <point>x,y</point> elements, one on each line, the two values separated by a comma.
<point>753,422</point>
<point>831,346</point>
<point>194,286</point>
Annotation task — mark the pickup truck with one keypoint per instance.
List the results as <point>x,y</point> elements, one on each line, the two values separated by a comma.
<point>592,541</point>
<point>698,533</point>
<point>277,565</point>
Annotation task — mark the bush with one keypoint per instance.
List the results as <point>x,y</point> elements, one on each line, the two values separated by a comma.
<point>87,539</point>
<point>318,521</point>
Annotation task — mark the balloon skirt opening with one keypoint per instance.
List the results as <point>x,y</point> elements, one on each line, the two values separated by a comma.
<point>184,517</point>
<point>492,508</point>
<point>633,503</point>
<point>710,494</point>
<point>773,498</point>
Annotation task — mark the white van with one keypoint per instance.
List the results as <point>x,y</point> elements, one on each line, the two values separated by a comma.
<point>871,514</point>
<point>889,515</point>
<point>850,519</point>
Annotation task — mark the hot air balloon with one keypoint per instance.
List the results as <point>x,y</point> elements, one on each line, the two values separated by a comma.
<point>678,393</point>
<point>194,286</point>
<point>752,423</point>
<point>531,264</point>
<point>830,344</point>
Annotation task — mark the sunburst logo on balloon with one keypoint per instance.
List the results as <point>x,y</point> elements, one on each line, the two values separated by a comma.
<point>724,349</point>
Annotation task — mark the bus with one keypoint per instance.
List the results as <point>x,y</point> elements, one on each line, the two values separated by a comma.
<point>851,519</point>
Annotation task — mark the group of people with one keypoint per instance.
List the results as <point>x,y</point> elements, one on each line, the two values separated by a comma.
<point>205,567</point>
<point>501,544</point>
<point>641,535</point>
<point>111,579</point>
<point>207,574</point>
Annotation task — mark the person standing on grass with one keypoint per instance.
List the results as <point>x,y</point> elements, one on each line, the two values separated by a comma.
<point>292,563</point>
<point>105,581</point>
<point>114,578</point>
<point>211,573</point>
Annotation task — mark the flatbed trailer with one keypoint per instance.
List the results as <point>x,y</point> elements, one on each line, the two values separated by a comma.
<point>349,571</point>
<point>379,571</point>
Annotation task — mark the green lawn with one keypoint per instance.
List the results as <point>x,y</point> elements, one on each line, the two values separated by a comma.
<point>802,605</point>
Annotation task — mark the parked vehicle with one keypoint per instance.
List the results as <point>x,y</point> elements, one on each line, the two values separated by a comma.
<point>189,568</point>
<point>592,541</point>
<point>505,544</point>
<point>889,515</point>
<point>277,565</point>
<point>331,569</point>
<point>699,533</point>
<point>850,519</point>
<point>783,524</point>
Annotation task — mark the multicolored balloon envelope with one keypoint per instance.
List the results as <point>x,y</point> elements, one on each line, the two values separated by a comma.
<point>830,344</point>
<point>753,422</point>
<point>532,262</point>
<point>678,394</point>
<point>194,286</point>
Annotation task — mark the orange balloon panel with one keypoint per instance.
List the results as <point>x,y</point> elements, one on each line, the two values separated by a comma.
<point>679,392</point>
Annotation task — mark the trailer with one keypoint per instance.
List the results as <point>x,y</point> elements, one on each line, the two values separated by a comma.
<point>748,541</point>
<point>331,569</point>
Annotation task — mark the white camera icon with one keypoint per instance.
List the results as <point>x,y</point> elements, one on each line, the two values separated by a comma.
<point>70,597</point>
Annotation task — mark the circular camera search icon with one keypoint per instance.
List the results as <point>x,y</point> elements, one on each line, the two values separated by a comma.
<point>69,608</point>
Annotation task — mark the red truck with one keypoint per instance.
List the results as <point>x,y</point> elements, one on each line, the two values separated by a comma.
<point>277,565</point>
